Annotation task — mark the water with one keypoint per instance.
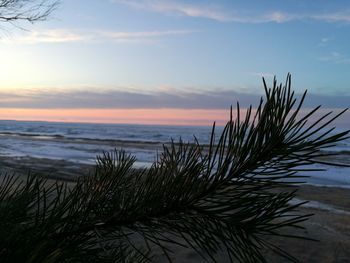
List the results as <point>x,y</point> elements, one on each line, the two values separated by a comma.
<point>104,131</point>
<point>82,142</point>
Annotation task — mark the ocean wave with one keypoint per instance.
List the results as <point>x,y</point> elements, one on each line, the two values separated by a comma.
<point>62,138</point>
<point>32,135</point>
<point>319,206</point>
<point>105,131</point>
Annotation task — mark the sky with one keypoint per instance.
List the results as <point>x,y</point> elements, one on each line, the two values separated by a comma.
<point>172,62</point>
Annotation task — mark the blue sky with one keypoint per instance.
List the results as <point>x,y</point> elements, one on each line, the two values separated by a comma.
<point>153,53</point>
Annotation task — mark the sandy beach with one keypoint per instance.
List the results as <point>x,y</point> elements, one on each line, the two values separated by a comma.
<point>330,224</point>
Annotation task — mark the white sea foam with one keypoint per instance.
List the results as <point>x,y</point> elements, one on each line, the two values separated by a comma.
<point>336,176</point>
<point>320,206</point>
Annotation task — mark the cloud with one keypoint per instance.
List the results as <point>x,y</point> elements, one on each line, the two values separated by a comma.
<point>69,36</point>
<point>324,41</point>
<point>222,14</point>
<point>176,8</point>
<point>278,17</point>
<point>45,36</point>
<point>163,97</point>
<point>51,98</point>
<point>213,12</point>
<point>343,16</point>
<point>129,36</point>
<point>335,57</point>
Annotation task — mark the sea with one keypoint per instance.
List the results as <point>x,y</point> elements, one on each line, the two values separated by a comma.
<point>83,142</point>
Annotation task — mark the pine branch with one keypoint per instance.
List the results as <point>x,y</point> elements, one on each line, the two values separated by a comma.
<point>225,197</point>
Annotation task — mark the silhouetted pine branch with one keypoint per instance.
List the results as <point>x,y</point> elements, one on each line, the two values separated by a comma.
<point>226,196</point>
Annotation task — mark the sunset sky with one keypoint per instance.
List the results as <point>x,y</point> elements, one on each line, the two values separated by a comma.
<point>171,62</point>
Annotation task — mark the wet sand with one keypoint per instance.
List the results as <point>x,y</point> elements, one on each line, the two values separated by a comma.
<point>330,223</point>
<point>55,169</point>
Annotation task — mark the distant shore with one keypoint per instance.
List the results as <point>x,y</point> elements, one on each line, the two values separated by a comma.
<point>330,206</point>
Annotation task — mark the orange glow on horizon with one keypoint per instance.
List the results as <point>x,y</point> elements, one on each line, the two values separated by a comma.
<point>128,116</point>
<point>190,117</point>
